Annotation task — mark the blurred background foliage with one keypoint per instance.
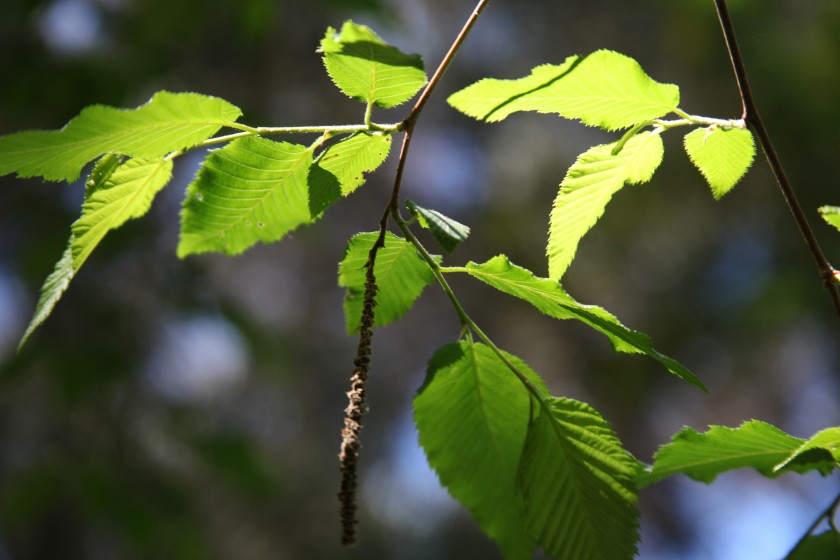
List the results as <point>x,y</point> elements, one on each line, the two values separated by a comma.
<point>191,409</point>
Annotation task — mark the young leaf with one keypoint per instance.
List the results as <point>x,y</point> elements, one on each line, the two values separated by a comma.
<point>587,188</point>
<point>251,190</point>
<point>721,155</point>
<point>605,89</point>
<point>825,546</point>
<point>168,122</point>
<point>576,483</point>
<point>446,231</point>
<point>549,297</point>
<point>340,169</point>
<point>472,417</point>
<point>831,215</point>
<point>368,69</point>
<point>401,276</point>
<point>754,444</point>
<point>825,443</point>
<point>114,196</point>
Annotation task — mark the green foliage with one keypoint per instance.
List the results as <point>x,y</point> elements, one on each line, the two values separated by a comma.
<point>605,89</point>
<point>366,68</point>
<point>587,188</point>
<point>446,231</point>
<point>825,546</point>
<point>722,155</point>
<point>472,418</point>
<point>820,451</point>
<point>577,484</point>
<point>401,276</point>
<point>550,298</point>
<point>831,215</point>
<point>168,122</point>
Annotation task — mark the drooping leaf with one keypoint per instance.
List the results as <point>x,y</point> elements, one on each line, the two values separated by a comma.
<point>704,456</point>
<point>605,89</point>
<point>401,276</point>
<point>831,215</point>
<point>251,190</point>
<point>368,69</point>
<point>102,171</point>
<point>577,484</point>
<point>818,452</point>
<point>341,169</point>
<point>168,122</point>
<point>549,297</point>
<point>587,188</point>
<point>825,546</point>
<point>472,416</point>
<point>721,155</point>
<point>114,196</point>
<point>445,230</point>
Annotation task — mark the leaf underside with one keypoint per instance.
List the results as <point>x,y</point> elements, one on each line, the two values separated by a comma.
<point>723,156</point>
<point>605,89</point>
<point>168,122</point>
<point>818,452</point>
<point>368,69</point>
<point>446,231</point>
<point>401,275</point>
<point>589,185</point>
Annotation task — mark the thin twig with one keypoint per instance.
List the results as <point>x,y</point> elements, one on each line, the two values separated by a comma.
<point>753,119</point>
<point>827,513</point>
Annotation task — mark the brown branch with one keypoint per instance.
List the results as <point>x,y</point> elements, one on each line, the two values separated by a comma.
<point>753,119</point>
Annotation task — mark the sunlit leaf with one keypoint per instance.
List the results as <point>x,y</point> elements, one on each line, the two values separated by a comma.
<point>549,297</point>
<point>251,190</point>
<point>722,155</point>
<point>472,417</point>
<point>587,188</point>
<point>168,122</point>
<point>446,231</point>
<point>831,215</point>
<point>605,89</point>
<point>368,69</point>
<point>401,275</point>
<point>821,449</point>
<point>54,287</point>
<point>577,485</point>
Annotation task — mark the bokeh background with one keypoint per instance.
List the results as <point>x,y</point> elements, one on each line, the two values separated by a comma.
<point>192,409</point>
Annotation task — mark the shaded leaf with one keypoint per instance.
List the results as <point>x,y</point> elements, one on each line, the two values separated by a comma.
<point>722,155</point>
<point>341,168</point>
<point>589,185</point>
<point>549,297</point>
<point>472,417</point>
<point>605,89</point>
<point>831,215</point>
<point>825,546</point>
<point>446,231</point>
<point>368,69</point>
<point>577,484</point>
<point>251,190</point>
<point>401,275</point>
<point>168,122</point>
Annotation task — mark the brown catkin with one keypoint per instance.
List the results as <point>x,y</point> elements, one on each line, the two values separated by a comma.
<point>350,434</point>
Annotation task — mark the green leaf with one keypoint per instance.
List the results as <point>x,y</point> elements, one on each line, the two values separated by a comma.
<point>722,155</point>
<point>446,231</point>
<point>820,452</point>
<point>825,546</point>
<point>549,297</point>
<point>340,169</point>
<point>251,190</point>
<point>472,417</point>
<point>577,484</point>
<point>114,196</point>
<point>605,89</point>
<point>368,69</point>
<point>704,456</point>
<point>401,275</point>
<point>168,122</point>
<point>831,215</point>
<point>587,188</point>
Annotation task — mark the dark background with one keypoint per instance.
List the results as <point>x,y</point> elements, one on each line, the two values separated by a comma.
<point>191,409</point>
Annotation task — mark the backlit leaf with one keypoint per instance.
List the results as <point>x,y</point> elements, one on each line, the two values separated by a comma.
<point>822,449</point>
<point>472,417</point>
<point>605,89</point>
<point>368,69</point>
<point>831,215</point>
<point>54,287</point>
<point>445,230</point>
<point>251,190</point>
<point>168,122</point>
<point>549,297</point>
<point>721,155</point>
<point>587,188</point>
<point>577,484</point>
<point>401,275</point>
